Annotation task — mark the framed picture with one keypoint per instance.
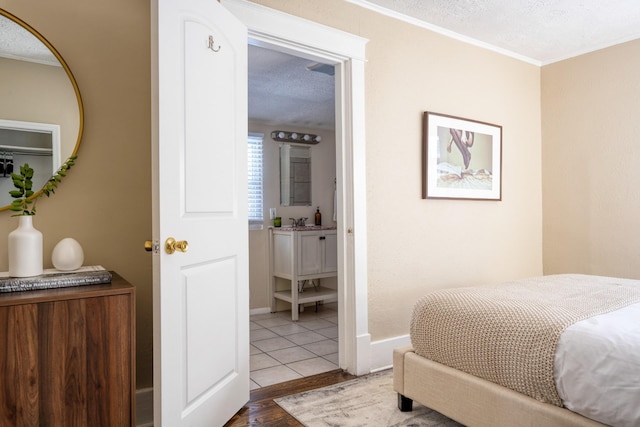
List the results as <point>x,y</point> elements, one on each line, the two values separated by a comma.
<point>461,158</point>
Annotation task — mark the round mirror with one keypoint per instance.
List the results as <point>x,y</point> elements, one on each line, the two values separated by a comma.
<point>41,115</point>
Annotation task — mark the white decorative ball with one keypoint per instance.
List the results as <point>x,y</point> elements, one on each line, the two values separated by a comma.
<point>67,255</point>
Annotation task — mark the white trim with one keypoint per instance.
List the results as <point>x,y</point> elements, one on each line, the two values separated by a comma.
<point>36,127</point>
<point>382,351</point>
<point>445,32</point>
<point>288,33</point>
<point>289,30</point>
<point>359,212</point>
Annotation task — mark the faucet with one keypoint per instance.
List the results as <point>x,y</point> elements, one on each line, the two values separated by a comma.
<point>300,222</point>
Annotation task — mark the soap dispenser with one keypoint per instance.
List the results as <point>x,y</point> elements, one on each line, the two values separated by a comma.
<point>318,217</point>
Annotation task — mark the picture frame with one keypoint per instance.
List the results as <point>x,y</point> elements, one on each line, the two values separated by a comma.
<point>461,159</point>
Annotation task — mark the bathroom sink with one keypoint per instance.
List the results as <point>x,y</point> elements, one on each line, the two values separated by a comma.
<point>308,227</point>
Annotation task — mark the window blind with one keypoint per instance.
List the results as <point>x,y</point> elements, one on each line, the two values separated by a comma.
<point>255,173</point>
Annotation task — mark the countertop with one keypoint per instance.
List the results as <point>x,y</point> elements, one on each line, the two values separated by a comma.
<point>305,228</point>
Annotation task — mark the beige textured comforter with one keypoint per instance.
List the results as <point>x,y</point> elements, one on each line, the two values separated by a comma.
<point>508,333</point>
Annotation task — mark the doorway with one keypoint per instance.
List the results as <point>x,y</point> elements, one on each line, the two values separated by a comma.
<point>291,94</point>
<point>268,27</point>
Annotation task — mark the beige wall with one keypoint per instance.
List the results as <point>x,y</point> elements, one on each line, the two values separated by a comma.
<point>32,92</point>
<point>40,93</point>
<point>591,108</point>
<point>323,172</point>
<point>414,245</point>
<point>417,245</point>
<point>105,201</point>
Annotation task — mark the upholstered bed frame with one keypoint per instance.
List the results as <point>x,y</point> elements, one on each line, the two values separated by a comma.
<point>470,400</point>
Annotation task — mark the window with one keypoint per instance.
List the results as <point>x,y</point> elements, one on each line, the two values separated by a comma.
<point>255,192</point>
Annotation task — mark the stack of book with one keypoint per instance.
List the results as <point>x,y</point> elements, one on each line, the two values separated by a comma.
<point>52,278</point>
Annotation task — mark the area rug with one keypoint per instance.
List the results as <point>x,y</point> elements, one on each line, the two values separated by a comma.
<point>367,401</point>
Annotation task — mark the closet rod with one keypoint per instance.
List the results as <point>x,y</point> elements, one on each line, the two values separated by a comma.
<point>12,149</point>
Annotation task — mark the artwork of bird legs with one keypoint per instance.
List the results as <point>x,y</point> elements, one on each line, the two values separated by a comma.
<point>463,140</point>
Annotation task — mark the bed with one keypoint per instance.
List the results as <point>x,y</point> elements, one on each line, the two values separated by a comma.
<point>558,350</point>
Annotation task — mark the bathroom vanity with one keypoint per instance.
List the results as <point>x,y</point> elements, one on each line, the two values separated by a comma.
<point>304,256</point>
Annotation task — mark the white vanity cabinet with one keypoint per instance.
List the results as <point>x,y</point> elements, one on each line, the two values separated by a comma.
<point>303,255</point>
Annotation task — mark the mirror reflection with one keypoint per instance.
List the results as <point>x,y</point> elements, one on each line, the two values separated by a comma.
<point>295,175</point>
<point>41,114</point>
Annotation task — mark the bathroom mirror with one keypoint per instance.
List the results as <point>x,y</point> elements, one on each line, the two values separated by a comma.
<point>41,114</point>
<point>295,175</point>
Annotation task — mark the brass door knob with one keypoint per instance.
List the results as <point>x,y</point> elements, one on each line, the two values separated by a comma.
<point>171,245</point>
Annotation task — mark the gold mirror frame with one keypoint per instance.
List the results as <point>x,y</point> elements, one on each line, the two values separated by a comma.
<point>74,84</point>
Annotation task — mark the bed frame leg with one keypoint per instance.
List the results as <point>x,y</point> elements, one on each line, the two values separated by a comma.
<point>404,403</point>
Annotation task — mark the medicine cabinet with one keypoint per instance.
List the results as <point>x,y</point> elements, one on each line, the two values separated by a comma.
<point>295,175</point>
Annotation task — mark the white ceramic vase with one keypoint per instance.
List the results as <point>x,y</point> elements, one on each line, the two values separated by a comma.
<point>25,249</point>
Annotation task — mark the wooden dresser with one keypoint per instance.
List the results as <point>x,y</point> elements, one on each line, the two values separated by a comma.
<point>67,356</point>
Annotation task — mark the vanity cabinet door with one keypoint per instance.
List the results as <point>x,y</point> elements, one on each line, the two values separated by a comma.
<point>310,244</point>
<point>317,252</point>
<point>330,252</point>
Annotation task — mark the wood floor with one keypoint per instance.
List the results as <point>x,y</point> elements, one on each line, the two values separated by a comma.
<point>263,411</point>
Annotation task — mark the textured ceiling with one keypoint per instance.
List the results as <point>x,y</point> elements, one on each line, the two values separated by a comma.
<point>283,91</point>
<point>18,43</point>
<point>539,31</point>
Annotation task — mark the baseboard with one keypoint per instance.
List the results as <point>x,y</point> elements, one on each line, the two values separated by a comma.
<point>382,351</point>
<point>263,310</point>
<point>144,407</point>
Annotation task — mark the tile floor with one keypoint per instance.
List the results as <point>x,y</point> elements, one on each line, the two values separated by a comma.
<point>283,350</point>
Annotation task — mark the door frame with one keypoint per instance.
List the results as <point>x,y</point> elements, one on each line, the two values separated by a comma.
<point>291,34</point>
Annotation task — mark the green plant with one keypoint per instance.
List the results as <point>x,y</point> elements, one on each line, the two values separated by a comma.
<point>24,194</point>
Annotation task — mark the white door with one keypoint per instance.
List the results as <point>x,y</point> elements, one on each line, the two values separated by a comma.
<point>201,296</point>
